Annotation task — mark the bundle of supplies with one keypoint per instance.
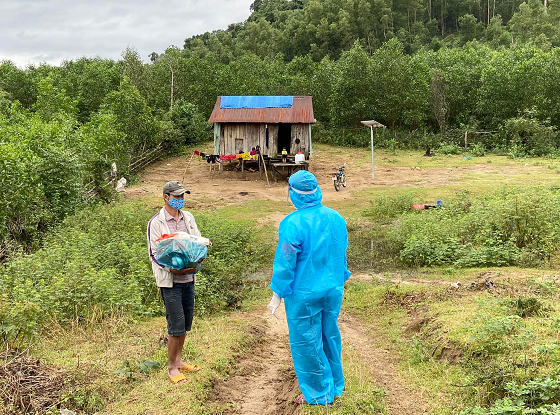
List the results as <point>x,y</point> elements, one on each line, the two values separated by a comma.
<point>181,250</point>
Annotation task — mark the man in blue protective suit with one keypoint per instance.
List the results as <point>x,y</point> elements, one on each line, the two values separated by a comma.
<point>309,273</point>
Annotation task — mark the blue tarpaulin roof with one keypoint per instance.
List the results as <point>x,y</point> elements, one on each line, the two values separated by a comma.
<point>256,102</point>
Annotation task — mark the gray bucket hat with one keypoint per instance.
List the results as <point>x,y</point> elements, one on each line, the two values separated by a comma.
<point>174,188</point>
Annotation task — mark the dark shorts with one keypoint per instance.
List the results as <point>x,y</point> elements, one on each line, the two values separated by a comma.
<point>179,307</point>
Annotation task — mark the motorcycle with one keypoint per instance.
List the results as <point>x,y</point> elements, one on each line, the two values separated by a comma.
<point>339,178</point>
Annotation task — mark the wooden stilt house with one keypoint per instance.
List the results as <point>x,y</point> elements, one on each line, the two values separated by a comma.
<point>272,122</point>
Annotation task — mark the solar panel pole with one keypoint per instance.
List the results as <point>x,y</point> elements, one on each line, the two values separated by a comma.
<point>371,124</point>
<point>372,170</point>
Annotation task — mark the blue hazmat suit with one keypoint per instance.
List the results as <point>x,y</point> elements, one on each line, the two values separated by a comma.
<point>309,272</point>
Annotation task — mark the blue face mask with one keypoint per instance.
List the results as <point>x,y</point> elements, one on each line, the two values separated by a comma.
<point>176,203</point>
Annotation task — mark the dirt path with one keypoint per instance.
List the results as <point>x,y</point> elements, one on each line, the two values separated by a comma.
<point>397,280</point>
<point>265,383</point>
<point>401,400</point>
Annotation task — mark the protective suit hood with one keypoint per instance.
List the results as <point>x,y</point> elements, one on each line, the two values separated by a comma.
<point>304,190</point>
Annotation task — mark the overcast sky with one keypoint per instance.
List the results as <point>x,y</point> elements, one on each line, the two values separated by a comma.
<point>34,31</point>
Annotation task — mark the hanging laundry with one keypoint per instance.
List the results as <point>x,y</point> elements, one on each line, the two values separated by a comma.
<point>213,158</point>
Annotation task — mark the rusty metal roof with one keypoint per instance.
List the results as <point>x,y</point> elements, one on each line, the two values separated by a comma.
<point>301,112</point>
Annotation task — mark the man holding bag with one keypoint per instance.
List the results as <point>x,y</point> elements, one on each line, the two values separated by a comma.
<point>176,285</point>
<point>309,272</point>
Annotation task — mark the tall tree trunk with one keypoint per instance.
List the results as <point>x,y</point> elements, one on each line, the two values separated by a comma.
<point>488,15</point>
<point>171,103</point>
<point>430,9</point>
<point>442,21</point>
<point>408,19</point>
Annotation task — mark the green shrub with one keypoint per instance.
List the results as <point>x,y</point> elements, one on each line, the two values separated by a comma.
<point>538,396</point>
<point>384,207</point>
<point>96,263</point>
<point>497,334</point>
<point>476,150</point>
<point>232,256</point>
<point>529,136</point>
<point>510,227</point>
<point>449,149</point>
<point>18,321</point>
<point>527,307</point>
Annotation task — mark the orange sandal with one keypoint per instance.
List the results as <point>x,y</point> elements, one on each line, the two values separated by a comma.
<point>191,368</point>
<point>179,378</point>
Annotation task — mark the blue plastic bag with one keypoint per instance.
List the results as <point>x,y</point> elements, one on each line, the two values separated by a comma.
<point>180,253</point>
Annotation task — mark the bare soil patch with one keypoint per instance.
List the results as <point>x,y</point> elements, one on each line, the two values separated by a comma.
<point>264,382</point>
<point>231,187</point>
<point>402,399</point>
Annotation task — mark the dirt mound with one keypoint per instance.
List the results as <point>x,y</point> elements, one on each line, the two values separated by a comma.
<point>29,386</point>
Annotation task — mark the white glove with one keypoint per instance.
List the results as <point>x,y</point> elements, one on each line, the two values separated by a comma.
<point>274,303</point>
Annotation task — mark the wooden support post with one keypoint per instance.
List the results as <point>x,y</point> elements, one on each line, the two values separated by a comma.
<point>466,134</point>
<point>188,165</point>
<point>265,172</point>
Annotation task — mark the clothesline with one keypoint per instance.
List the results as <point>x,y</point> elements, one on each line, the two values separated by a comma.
<point>216,158</point>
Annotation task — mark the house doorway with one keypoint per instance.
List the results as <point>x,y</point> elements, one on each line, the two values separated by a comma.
<point>284,137</point>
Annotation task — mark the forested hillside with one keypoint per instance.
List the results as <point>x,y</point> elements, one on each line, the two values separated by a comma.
<point>428,70</point>
<point>329,27</point>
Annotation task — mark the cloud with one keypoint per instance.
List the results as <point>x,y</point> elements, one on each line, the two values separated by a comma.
<point>34,31</point>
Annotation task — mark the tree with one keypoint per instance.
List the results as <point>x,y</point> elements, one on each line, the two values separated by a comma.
<point>401,86</point>
<point>132,117</point>
<point>438,99</point>
<point>190,122</point>
<point>470,27</point>
<point>353,88</point>
<point>17,83</point>
<point>52,102</point>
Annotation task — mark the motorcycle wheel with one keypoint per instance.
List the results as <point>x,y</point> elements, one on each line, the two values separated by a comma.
<point>336,185</point>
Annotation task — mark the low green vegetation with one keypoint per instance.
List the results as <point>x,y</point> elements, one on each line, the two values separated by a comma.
<point>96,264</point>
<point>473,350</point>
<point>512,226</point>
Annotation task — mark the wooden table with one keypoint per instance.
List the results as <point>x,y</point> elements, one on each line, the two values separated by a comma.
<point>291,167</point>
